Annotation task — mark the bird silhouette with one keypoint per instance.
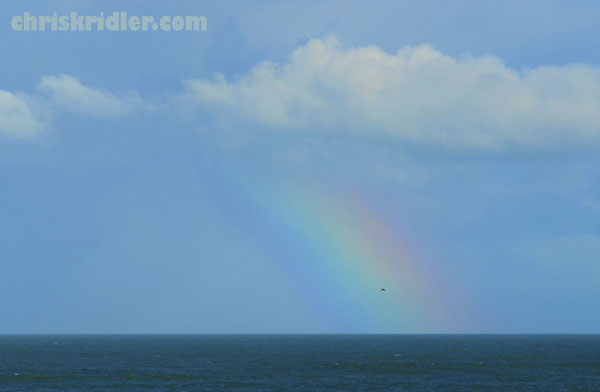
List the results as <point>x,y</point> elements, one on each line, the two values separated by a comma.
<point>382,289</point>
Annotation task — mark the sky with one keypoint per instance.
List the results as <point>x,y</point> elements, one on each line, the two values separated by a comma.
<point>272,174</point>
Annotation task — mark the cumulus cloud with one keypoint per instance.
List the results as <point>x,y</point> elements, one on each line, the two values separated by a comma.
<point>16,116</point>
<point>67,94</point>
<point>25,116</point>
<point>417,94</point>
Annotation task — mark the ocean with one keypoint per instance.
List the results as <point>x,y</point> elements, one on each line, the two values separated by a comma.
<point>299,362</point>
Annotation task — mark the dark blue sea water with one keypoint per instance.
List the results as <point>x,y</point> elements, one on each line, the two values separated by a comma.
<point>300,363</point>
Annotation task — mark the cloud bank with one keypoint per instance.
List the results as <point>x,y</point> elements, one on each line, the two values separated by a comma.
<point>417,95</point>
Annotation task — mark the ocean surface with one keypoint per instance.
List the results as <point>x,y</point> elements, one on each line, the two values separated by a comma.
<point>300,363</point>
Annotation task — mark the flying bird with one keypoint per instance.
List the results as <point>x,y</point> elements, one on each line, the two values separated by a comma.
<point>382,289</point>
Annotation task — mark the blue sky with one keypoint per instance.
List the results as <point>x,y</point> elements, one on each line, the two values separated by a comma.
<point>473,126</point>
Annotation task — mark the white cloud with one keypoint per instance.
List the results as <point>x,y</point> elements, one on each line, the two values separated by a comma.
<point>417,94</point>
<point>67,94</point>
<point>25,116</point>
<point>16,117</point>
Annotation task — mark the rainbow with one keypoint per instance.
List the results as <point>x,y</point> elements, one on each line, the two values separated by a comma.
<point>338,251</point>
